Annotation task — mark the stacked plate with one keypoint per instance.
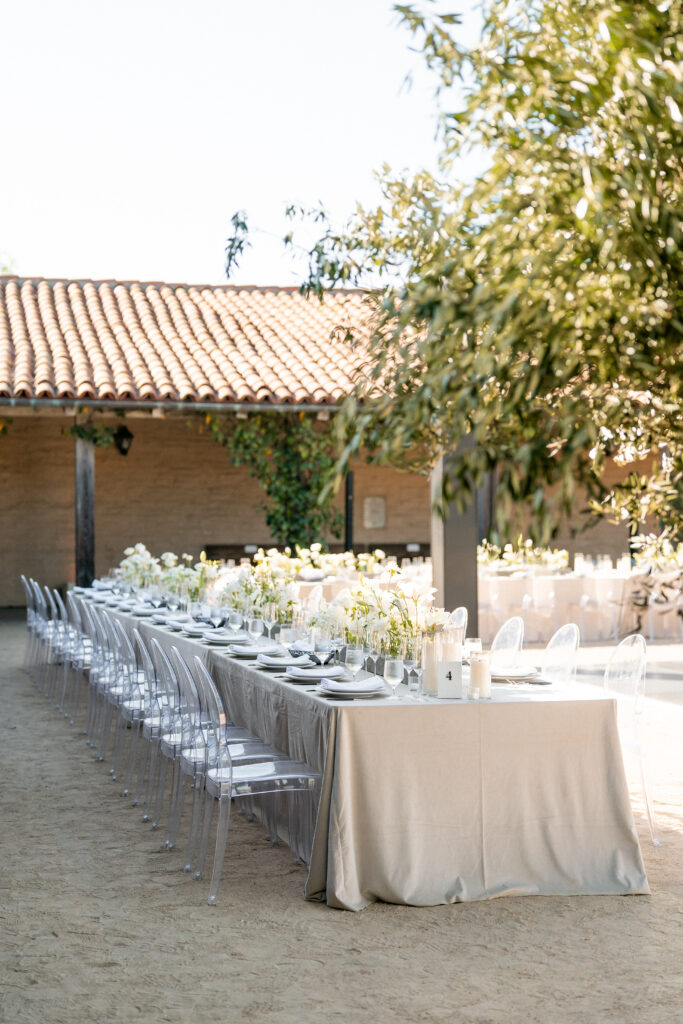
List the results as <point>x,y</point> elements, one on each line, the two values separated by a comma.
<point>314,673</point>
<point>218,637</point>
<point>284,660</point>
<point>245,649</point>
<point>514,673</point>
<point>358,688</point>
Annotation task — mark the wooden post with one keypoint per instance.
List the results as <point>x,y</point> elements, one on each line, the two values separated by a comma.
<point>454,555</point>
<point>85,512</point>
<point>348,525</point>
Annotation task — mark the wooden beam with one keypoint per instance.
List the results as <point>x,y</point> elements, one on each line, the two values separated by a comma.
<point>454,555</point>
<point>348,506</point>
<point>85,512</point>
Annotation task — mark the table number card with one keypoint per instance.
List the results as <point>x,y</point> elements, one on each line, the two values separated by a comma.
<point>449,679</point>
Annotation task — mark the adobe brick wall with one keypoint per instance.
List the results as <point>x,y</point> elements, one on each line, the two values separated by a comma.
<point>175,491</point>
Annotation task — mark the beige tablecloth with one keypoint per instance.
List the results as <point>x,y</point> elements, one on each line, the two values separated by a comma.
<point>439,803</point>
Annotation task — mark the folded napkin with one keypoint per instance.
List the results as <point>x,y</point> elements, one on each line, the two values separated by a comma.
<point>354,686</point>
<point>283,660</point>
<point>315,672</point>
<point>247,650</point>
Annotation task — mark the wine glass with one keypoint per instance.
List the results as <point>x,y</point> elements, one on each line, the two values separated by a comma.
<point>336,643</point>
<point>393,674</point>
<point>355,656</point>
<point>371,653</point>
<point>269,612</point>
<point>417,672</point>
<point>172,601</point>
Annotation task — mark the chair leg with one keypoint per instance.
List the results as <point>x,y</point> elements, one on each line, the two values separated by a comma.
<point>221,843</point>
<point>142,768</point>
<point>194,820</point>
<point>160,789</point>
<point>121,733</point>
<point>206,831</point>
<point>651,820</point>
<point>106,730</point>
<point>78,684</point>
<point>130,767</point>
<point>152,780</point>
<point>178,800</point>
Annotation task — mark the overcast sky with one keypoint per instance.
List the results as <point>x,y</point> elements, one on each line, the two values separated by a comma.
<point>133,129</point>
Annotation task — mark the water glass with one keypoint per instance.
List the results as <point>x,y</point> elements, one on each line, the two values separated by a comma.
<point>355,656</point>
<point>235,619</point>
<point>393,674</point>
<point>216,616</point>
<point>255,628</point>
<point>287,634</point>
<point>472,646</point>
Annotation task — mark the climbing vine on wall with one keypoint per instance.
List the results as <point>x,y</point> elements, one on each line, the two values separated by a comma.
<point>291,455</point>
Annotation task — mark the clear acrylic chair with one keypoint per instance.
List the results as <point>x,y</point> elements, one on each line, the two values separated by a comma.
<point>459,618</point>
<point>507,643</point>
<point>625,676</point>
<point>200,753</point>
<point>81,656</point>
<point>227,781</point>
<point>32,640</point>
<point>558,663</point>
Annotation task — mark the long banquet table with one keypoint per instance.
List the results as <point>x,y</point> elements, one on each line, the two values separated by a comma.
<point>445,801</point>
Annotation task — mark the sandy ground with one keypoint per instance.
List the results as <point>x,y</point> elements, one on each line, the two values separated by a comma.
<point>98,924</point>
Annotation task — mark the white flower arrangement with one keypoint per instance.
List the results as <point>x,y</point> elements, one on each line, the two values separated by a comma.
<point>363,607</point>
<point>394,615</point>
<point>520,555</point>
<point>139,567</point>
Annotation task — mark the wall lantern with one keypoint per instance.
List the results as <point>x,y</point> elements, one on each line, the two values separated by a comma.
<point>123,439</point>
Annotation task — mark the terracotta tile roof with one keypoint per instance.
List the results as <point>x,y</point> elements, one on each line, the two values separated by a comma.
<point>134,341</point>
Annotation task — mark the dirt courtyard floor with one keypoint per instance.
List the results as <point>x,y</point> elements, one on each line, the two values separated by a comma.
<point>99,924</point>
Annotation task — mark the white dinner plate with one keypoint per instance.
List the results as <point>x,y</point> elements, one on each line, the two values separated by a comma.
<point>518,672</point>
<point>353,688</point>
<point>322,692</point>
<point>142,611</point>
<point>285,660</point>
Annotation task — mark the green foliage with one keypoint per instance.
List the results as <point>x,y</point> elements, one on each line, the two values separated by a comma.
<point>536,311</point>
<point>237,243</point>
<point>291,457</point>
<point>4,425</point>
<point>100,435</point>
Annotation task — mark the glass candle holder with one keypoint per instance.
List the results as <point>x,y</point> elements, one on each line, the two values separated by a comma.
<point>480,674</point>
